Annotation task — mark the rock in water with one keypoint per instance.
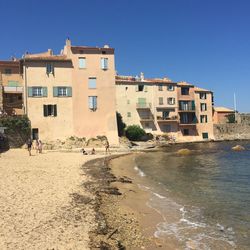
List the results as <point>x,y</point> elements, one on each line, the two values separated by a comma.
<point>184,151</point>
<point>238,148</point>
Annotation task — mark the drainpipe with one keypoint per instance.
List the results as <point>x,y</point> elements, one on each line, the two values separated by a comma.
<point>26,89</point>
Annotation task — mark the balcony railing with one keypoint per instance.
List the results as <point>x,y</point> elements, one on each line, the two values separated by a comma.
<point>143,105</point>
<point>166,119</point>
<point>8,89</point>
<point>187,107</point>
<point>189,122</point>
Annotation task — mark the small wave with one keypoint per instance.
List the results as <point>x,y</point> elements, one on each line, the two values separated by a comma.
<point>159,196</point>
<point>140,172</point>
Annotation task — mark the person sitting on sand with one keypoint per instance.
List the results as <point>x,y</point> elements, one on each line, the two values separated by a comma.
<point>29,146</point>
<point>40,146</point>
<point>84,152</point>
<point>93,151</point>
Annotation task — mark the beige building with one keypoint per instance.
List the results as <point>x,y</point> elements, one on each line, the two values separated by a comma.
<point>11,89</point>
<point>221,114</point>
<point>150,103</point>
<point>71,94</point>
<point>161,106</point>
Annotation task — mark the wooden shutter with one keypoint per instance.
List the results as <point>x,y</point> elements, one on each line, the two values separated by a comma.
<point>55,91</point>
<point>55,110</point>
<point>45,92</point>
<point>90,102</point>
<point>69,91</point>
<point>45,110</point>
<point>30,92</point>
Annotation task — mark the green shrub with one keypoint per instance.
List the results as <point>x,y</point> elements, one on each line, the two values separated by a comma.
<point>134,132</point>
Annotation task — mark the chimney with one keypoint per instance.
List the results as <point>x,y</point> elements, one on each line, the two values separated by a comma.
<point>106,46</point>
<point>68,42</point>
<point>142,76</point>
<point>50,52</point>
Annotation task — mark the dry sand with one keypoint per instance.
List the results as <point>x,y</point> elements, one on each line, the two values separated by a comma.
<point>39,196</point>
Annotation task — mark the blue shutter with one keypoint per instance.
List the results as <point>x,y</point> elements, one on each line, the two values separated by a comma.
<point>102,63</point>
<point>45,93</point>
<point>92,83</point>
<point>55,91</point>
<point>90,102</point>
<point>82,63</point>
<point>30,92</point>
<point>69,91</point>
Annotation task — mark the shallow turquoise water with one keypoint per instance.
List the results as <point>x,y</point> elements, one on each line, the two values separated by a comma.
<point>204,197</point>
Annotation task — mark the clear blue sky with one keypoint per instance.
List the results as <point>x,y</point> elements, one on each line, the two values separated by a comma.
<point>205,42</point>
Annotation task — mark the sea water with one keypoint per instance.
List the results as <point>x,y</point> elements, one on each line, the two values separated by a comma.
<point>204,197</point>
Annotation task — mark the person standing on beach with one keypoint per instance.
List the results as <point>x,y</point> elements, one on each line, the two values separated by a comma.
<point>40,146</point>
<point>107,147</point>
<point>29,146</point>
<point>37,146</point>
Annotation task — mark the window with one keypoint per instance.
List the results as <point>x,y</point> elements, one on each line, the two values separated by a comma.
<point>49,110</point>
<point>171,101</point>
<point>92,83</point>
<point>8,71</point>
<point>50,68</point>
<point>205,135</point>
<point>37,91</point>
<point>203,96</point>
<point>165,115</point>
<point>203,106</point>
<point>140,87</point>
<point>35,134</point>
<point>185,91</point>
<point>128,101</point>
<point>160,100</point>
<point>185,131</point>
<point>93,103</point>
<point>104,63</point>
<point>82,62</point>
<point>203,118</point>
<point>129,114</point>
<point>62,91</point>
<point>160,87</point>
<point>170,87</point>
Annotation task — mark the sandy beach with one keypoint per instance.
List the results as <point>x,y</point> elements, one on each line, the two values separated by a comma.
<point>43,204</point>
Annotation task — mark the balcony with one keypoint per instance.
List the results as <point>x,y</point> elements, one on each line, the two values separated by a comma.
<point>149,118</point>
<point>143,105</point>
<point>167,119</point>
<point>16,90</point>
<point>187,106</point>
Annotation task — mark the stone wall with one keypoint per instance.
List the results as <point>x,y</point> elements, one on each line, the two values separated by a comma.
<point>244,118</point>
<point>232,131</point>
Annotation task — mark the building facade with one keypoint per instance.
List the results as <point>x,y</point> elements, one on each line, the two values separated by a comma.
<point>11,89</point>
<point>71,94</point>
<point>161,106</point>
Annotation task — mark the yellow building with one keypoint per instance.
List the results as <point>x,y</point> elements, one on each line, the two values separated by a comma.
<point>11,88</point>
<point>161,106</point>
<point>71,94</point>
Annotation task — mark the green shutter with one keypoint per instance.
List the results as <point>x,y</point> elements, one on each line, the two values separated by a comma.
<point>55,91</point>
<point>69,91</point>
<point>193,105</point>
<point>45,110</point>
<point>55,110</point>
<point>30,92</point>
<point>45,92</point>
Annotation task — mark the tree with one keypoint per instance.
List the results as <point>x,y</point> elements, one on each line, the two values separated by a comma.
<point>120,124</point>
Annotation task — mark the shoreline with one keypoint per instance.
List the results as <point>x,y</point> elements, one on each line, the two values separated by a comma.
<point>123,218</point>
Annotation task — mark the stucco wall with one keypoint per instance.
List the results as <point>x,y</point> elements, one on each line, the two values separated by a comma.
<point>231,131</point>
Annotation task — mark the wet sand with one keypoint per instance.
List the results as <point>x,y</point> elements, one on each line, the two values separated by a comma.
<point>134,201</point>
<point>43,204</point>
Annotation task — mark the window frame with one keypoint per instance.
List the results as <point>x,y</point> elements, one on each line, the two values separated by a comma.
<point>64,92</point>
<point>104,63</point>
<point>93,103</point>
<point>170,89</point>
<point>90,81</point>
<point>37,91</point>
<point>173,100</point>
<point>84,63</point>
